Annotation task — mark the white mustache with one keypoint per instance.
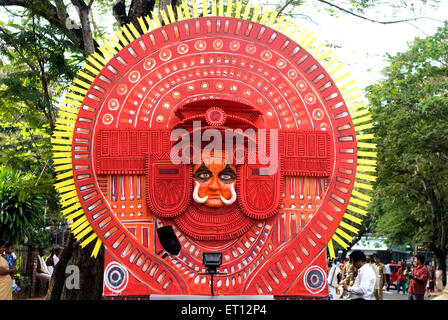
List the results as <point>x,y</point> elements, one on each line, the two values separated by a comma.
<point>196,197</point>
<point>232,198</point>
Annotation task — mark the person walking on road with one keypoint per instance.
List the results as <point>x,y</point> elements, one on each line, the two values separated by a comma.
<point>401,279</point>
<point>333,281</point>
<point>5,275</point>
<point>438,276</point>
<point>364,284</point>
<point>418,279</point>
<point>380,273</point>
<point>387,268</point>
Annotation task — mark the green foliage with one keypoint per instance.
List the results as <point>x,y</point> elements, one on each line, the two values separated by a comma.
<point>410,108</point>
<point>21,206</point>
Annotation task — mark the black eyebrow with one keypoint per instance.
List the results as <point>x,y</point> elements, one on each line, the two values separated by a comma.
<point>227,169</point>
<point>202,168</point>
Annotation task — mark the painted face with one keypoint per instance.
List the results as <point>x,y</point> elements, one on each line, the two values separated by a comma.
<point>214,182</point>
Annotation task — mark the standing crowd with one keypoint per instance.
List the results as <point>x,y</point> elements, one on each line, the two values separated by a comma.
<point>361,277</point>
<point>8,269</point>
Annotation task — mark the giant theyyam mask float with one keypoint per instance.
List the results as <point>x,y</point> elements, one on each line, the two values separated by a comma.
<point>244,135</point>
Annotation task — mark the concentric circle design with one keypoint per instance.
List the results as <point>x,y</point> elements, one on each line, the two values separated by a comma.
<point>315,279</point>
<point>215,116</point>
<point>116,277</point>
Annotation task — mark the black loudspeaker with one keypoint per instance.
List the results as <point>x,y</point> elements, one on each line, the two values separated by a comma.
<point>168,240</point>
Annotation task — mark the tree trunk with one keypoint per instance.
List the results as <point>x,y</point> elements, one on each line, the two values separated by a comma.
<point>90,273</point>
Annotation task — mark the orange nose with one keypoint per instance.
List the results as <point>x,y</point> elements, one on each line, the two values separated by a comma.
<point>214,183</point>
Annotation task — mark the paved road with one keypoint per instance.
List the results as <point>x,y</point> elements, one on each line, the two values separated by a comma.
<point>393,295</point>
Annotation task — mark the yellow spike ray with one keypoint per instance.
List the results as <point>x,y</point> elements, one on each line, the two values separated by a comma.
<point>100,58</point>
<point>256,13</point>
<point>349,227</point>
<point>366,168</point>
<point>352,218</point>
<point>367,154</point>
<point>68,195</point>
<point>359,113</point>
<point>121,37</point>
<point>69,122</point>
<point>65,175</point>
<point>229,8</point>
<point>367,161</point>
<point>310,43</point>
<point>67,114</point>
<point>150,23</point>
<point>127,33</point>
<point>272,18</point>
<point>156,20</point>
<point>325,56</point>
<point>195,9</point>
<point>62,141</point>
<point>361,120</point>
<point>91,69</point>
<point>62,148</point>
<point>61,155</point>
<point>142,24</point>
<point>180,16</point>
<point>81,83</point>
<point>62,134</point>
<point>353,97</point>
<point>305,38</point>
<point>74,96</point>
<point>72,208</point>
<point>96,249</point>
<point>264,17</point>
<point>116,43</point>
<point>365,177</point>
<point>214,9</point>
<point>344,235</point>
<point>134,30</point>
<point>357,210</point>
<point>78,89</point>
<point>346,85</point>
<point>363,127</point>
<point>78,228</point>
<point>93,61</point>
<point>294,31</point>
<point>239,6</point>
<point>204,8</point>
<point>351,90</point>
<point>221,8</point>
<point>70,204</point>
<point>247,10</point>
<point>367,145</point>
<point>92,237</point>
<point>317,49</point>
<point>299,36</point>
<point>331,249</point>
<point>341,77</point>
<point>286,26</point>
<point>69,109</point>
<point>75,104</point>
<point>164,17</point>
<point>62,160</point>
<point>359,202</point>
<point>336,69</point>
<point>63,167</point>
<point>86,76</point>
<point>279,22</point>
<point>363,186</point>
<point>74,215</point>
<point>358,106</point>
<point>186,10</point>
<point>66,129</point>
<point>340,241</point>
<point>67,189</point>
<point>78,222</point>
<point>83,233</point>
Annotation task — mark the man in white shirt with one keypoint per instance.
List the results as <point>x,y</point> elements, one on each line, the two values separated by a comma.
<point>333,281</point>
<point>386,266</point>
<point>365,281</point>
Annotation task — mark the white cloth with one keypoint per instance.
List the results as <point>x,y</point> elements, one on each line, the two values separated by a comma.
<point>43,265</point>
<point>387,268</point>
<point>55,261</point>
<point>333,281</point>
<point>364,283</point>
